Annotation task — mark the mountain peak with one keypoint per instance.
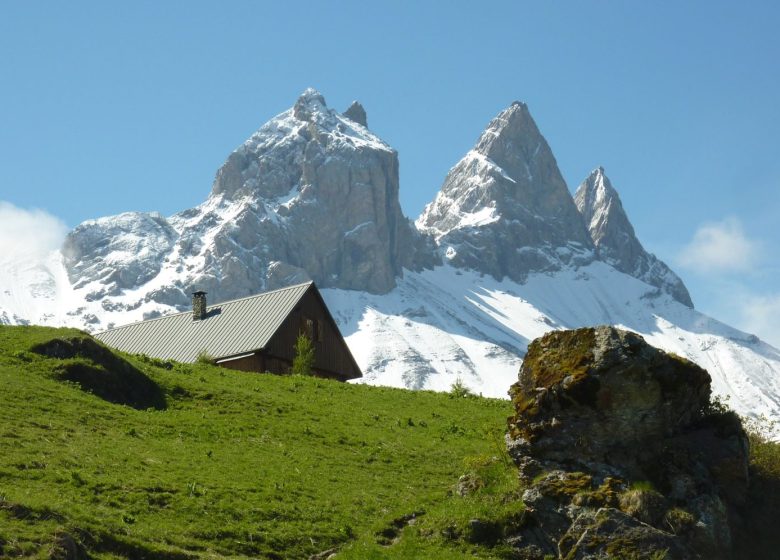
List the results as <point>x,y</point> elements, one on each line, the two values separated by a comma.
<point>504,209</point>
<point>615,239</point>
<point>600,205</point>
<point>513,122</point>
<point>310,101</point>
<point>357,113</point>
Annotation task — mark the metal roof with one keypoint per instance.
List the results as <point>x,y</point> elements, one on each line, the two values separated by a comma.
<point>230,328</point>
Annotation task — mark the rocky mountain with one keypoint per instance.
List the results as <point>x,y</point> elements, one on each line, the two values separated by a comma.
<point>615,240</point>
<point>501,256</point>
<point>313,194</point>
<point>504,209</point>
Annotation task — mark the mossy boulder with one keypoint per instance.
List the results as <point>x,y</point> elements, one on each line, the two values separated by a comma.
<point>598,390</point>
<point>614,439</point>
<point>610,533</point>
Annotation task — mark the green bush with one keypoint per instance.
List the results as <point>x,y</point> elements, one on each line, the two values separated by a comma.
<point>460,390</point>
<point>303,362</point>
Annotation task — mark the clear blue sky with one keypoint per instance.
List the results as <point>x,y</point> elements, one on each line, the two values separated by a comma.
<point>107,107</point>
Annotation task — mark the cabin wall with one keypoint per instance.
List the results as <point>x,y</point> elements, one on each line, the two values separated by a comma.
<point>254,362</point>
<point>259,363</point>
<point>262,364</point>
<point>331,356</point>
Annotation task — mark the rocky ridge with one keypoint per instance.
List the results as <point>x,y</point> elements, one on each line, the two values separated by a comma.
<point>313,194</point>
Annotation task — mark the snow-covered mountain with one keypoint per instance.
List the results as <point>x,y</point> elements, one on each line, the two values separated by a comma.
<point>503,254</point>
<point>504,208</point>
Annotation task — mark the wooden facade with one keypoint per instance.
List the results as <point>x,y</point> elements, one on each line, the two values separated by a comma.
<point>332,358</point>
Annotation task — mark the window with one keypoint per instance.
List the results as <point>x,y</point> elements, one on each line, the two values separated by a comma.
<point>313,329</point>
<point>308,328</point>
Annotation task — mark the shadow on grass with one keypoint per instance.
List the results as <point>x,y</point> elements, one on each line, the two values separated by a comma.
<point>99,371</point>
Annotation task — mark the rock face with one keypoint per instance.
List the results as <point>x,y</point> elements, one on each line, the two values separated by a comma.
<point>622,451</point>
<point>321,195</point>
<point>357,113</point>
<point>118,252</point>
<point>614,237</point>
<point>504,209</point>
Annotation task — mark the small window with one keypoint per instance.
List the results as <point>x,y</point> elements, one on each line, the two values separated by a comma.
<point>313,329</point>
<point>317,331</point>
<point>308,328</point>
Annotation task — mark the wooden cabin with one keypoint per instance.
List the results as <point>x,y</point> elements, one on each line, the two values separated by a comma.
<point>256,333</point>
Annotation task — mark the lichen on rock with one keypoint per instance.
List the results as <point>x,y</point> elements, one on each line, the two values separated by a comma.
<point>622,450</point>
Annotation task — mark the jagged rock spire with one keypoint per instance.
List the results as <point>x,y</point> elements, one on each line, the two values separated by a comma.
<point>504,209</point>
<point>614,237</point>
<point>607,223</point>
<point>312,194</point>
<point>357,113</point>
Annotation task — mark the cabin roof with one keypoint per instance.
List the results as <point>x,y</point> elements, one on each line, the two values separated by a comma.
<point>230,328</point>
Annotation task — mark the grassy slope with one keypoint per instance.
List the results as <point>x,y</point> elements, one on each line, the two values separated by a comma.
<point>238,464</point>
<point>248,465</point>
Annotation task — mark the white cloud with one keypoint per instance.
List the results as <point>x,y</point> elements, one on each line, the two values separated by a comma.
<point>28,234</point>
<point>759,314</point>
<point>720,247</point>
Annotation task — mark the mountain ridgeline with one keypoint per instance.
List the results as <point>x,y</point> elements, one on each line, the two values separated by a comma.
<point>313,194</point>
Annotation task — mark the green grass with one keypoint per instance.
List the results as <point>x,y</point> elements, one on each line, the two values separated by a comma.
<point>233,464</point>
<point>195,461</point>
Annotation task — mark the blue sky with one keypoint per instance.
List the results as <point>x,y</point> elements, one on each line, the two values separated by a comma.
<point>107,107</point>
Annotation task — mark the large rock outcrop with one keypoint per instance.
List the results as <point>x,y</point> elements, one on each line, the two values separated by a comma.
<point>319,192</point>
<point>623,452</point>
<point>504,209</point>
<point>615,240</point>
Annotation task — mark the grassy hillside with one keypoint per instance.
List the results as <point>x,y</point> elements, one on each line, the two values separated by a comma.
<point>105,455</point>
<point>197,461</point>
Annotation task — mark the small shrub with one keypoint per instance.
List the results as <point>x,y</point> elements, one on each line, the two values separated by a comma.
<point>643,486</point>
<point>205,358</point>
<point>303,362</point>
<point>460,390</point>
<point>679,521</point>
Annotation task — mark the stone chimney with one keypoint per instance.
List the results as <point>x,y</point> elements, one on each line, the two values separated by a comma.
<point>198,306</point>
